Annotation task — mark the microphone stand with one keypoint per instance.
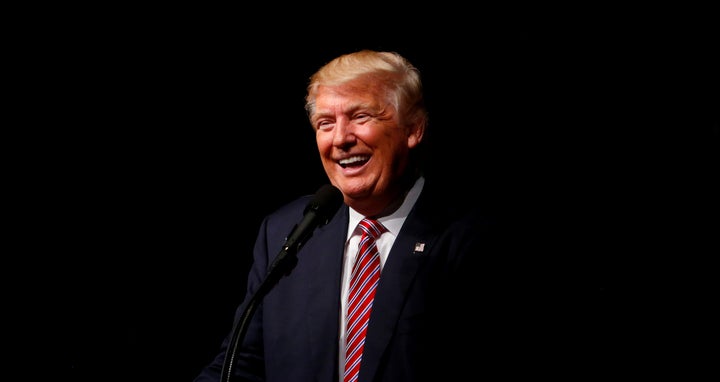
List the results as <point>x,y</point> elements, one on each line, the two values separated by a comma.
<point>326,202</point>
<point>282,265</point>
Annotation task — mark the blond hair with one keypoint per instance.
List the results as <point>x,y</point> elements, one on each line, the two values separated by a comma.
<point>393,71</point>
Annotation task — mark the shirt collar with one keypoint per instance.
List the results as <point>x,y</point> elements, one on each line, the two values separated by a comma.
<point>395,220</point>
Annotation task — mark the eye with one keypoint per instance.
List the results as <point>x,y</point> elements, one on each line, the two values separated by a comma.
<point>361,117</point>
<point>324,125</point>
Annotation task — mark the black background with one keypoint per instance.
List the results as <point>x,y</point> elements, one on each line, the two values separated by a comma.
<point>167,137</point>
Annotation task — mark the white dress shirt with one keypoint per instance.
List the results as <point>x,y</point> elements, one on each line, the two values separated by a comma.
<point>392,223</point>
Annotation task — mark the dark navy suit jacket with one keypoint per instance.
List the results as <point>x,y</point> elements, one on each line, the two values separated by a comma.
<point>449,303</point>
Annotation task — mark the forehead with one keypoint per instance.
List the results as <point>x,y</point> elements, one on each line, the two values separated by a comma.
<point>358,90</point>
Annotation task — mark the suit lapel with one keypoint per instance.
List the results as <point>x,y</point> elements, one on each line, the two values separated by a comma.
<point>408,253</point>
<point>323,254</point>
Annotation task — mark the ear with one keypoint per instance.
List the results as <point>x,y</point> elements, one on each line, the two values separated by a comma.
<point>416,132</point>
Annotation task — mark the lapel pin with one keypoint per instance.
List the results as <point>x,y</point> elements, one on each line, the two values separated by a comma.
<point>419,247</point>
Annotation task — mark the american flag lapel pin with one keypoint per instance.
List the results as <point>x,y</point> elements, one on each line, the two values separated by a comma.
<point>419,247</point>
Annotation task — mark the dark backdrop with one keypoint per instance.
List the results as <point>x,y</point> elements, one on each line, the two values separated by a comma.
<point>174,140</point>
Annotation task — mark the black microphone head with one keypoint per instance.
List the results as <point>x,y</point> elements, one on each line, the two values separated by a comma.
<point>326,202</point>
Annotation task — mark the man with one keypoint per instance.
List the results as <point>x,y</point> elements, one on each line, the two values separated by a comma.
<point>435,315</point>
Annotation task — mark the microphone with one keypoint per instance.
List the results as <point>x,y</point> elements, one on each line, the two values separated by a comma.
<point>318,212</point>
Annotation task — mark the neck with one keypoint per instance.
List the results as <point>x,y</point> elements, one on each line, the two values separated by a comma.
<point>392,201</point>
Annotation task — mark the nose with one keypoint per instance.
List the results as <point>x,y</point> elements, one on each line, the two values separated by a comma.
<point>344,133</point>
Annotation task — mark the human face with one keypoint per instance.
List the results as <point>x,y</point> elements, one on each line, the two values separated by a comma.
<point>363,144</point>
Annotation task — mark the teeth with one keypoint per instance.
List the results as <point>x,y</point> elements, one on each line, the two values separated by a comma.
<point>352,160</point>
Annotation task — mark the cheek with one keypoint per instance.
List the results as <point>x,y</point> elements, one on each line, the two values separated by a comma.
<point>324,142</point>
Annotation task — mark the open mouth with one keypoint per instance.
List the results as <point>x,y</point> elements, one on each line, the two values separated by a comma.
<point>353,161</point>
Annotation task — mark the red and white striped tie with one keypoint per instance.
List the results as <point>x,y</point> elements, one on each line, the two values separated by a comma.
<point>364,278</point>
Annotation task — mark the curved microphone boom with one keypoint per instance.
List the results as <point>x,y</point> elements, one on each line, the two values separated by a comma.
<point>319,211</point>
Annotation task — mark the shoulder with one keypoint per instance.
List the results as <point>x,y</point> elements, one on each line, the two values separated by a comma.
<point>289,213</point>
<point>286,216</point>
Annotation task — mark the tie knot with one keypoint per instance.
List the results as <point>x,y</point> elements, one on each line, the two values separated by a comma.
<point>372,227</point>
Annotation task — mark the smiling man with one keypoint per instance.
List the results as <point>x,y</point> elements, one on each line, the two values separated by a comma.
<point>408,320</point>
